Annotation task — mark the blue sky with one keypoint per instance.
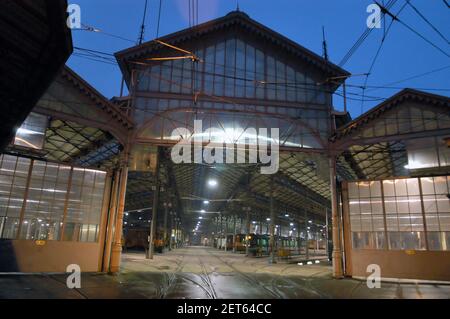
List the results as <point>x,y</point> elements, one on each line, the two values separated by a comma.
<point>403,55</point>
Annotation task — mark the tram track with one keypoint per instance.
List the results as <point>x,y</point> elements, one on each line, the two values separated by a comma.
<point>248,278</point>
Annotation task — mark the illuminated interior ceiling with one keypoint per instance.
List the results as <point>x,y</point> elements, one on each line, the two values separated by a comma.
<point>380,137</point>
<point>80,145</point>
<point>300,185</point>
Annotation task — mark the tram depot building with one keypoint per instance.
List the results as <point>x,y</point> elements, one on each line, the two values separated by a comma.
<point>79,163</point>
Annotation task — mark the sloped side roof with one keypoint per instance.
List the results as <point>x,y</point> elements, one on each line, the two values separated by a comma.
<point>113,110</point>
<point>392,102</point>
<point>233,18</point>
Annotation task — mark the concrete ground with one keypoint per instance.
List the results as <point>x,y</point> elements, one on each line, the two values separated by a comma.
<point>200,272</point>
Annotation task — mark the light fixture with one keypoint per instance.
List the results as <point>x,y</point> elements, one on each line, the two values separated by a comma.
<point>206,202</point>
<point>200,217</point>
<point>212,183</point>
<point>310,221</point>
<point>292,224</point>
<point>286,215</point>
<point>253,222</point>
<point>268,219</point>
<point>203,211</point>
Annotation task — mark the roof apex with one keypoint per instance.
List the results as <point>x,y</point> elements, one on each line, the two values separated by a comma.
<point>234,17</point>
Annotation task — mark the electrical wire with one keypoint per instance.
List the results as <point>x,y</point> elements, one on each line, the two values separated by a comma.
<point>362,38</point>
<point>377,54</point>
<point>427,21</point>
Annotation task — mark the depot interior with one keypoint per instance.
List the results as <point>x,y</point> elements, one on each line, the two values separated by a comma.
<point>83,178</point>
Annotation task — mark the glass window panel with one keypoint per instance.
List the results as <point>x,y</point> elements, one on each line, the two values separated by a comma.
<point>444,220</point>
<point>429,203</point>
<point>300,87</point>
<point>400,187</point>
<point>378,222</point>
<point>388,188</point>
<point>354,207</point>
<point>413,186</point>
<point>432,222</point>
<point>177,76</point>
<point>31,133</point>
<point>390,205</point>
<point>415,205</point>
<point>155,75</point>
<point>187,76</point>
<point>166,75</point>
<point>375,189</point>
<point>240,68</point>
<point>427,185</point>
<point>364,189</point>
<point>219,79</point>
<point>271,78</point>
<point>281,80</point>
<point>376,206</point>
<point>260,74</point>
<point>392,223</point>
<point>440,185</point>
<point>436,240</point>
<point>230,57</point>
<point>250,72</point>
<point>402,205</point>
<point>417,223</point>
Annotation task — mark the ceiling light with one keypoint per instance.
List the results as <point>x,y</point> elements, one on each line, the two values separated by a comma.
<point>212,183</point>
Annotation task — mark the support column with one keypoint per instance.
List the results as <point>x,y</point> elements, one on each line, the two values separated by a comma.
<point>116,250</point>
<point>111,220</point>
<point>166,211</point>
<point>247,232</point>
<point>306,235</point>
<point>226,232</point>
<point>299,240</point>
<point>337,251</point>
<point>272,224</point>
<point>234,233</point>
<point>151,243</point>
<point>327,248</point>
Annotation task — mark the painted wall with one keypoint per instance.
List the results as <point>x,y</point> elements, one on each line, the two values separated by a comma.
<point>54,256</point>
<point>426,265</point>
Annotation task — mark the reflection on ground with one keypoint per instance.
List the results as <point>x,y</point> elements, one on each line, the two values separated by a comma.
<point>201,272</point>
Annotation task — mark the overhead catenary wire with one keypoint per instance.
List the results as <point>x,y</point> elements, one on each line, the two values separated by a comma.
<point>362,38</point>
<point>377,54</point>
<point>300,86</point>
<point>386,10</point>
<point>427,21</point>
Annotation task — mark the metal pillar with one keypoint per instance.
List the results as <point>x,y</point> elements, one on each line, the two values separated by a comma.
<point>154,209</point>
<point>272,224</point>
<point>299,241</point>
<point>171,231</point>
<point>226,232</point>
<point>327,248</point>
<point>234,233</point>
<point>337,252</point>
<point>247,233</point>
<point>116,250</point>
<point>306,236</point>
<point>166,211</point>
<point>111,220</point>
